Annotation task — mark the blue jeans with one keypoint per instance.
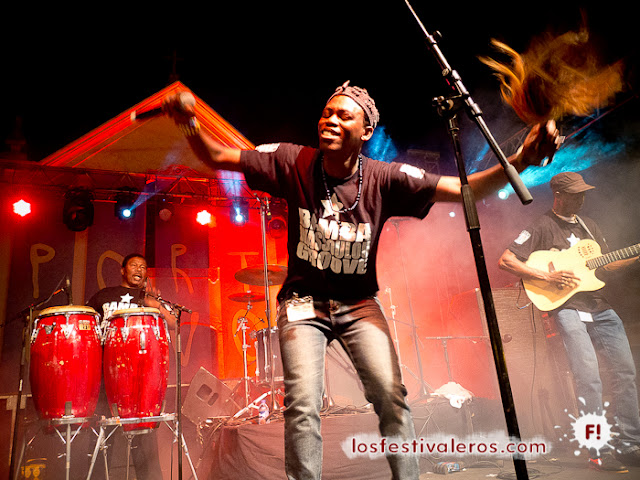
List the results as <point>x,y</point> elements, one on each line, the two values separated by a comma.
<point>606,336</point>
<point>362,329</point>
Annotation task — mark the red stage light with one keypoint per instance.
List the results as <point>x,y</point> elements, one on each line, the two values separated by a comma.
<point>203,217</point>
<point>22,208</point>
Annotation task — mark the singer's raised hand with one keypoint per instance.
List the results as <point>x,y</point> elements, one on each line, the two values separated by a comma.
<point>543,141</point>
<point>179,106</point>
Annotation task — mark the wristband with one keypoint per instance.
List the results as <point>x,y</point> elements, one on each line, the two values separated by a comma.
<point>191,128</point>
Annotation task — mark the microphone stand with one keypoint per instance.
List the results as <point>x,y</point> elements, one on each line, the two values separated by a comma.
<point>424,386</point>
<point>448,108</point>
<point>454,80</point>
<point>177,310</point>
<point>264,209</point>
<point>26,334</point>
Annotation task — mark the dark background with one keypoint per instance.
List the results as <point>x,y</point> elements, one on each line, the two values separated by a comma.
<point>269,67</point>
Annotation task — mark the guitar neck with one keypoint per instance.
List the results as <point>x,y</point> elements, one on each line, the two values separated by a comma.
<point>621,254</point>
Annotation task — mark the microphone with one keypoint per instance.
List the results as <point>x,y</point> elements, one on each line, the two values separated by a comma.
<point>143,292</point>
<point>67,290</point>
<point>185,99</point>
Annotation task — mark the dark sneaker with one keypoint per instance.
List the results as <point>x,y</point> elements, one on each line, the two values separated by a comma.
<point>630,457</point>
<point>606,462</point>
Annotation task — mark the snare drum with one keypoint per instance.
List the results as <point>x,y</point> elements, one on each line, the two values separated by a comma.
<point>66,362</point>
<point>136,364</point>
<point>263,362</point>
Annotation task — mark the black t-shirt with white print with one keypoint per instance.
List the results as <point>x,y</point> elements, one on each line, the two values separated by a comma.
<point>333,255</point>
<point>550,232</point>
<point>112,299</point>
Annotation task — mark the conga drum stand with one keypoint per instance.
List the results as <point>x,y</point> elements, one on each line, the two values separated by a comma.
<point>67,439</point>
<point>116,422</point>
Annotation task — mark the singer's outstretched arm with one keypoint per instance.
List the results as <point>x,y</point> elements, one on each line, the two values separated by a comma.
<point>214,154</point>
<point>542,141</point>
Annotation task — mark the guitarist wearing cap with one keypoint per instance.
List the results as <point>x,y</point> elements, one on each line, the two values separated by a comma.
<point>557,258</point>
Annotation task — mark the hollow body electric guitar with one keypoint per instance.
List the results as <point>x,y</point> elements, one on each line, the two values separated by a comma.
<point>582,259</point>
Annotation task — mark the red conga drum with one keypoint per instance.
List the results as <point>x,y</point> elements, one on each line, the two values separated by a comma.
<point>136,364</point>
<point>66,362</point>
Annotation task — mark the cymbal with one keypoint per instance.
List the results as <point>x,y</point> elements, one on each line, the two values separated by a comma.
<point>246,297</point>
<point>255,275</point>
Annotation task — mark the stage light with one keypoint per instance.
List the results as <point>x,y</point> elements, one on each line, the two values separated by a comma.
<point>77,213</point>
<point>239,212</point>
<point>203,217</point>
<point>503,194</point>
<point>124,209</point>
<point>22,208</point>
<point>276,219</point>
<point>165,209</point>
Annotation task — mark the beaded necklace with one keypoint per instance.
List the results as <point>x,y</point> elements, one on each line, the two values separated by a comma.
<point>326,187</point>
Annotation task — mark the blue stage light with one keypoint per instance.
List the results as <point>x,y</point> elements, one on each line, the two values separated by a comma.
<point>239,213</point>
<point>124,208</point>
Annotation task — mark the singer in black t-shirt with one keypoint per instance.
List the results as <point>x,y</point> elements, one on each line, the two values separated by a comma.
<point>338,202</point>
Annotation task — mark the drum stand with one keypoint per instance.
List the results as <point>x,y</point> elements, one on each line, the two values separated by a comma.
<point>116,422</point>
<point>67,439</point>
<point>251,405</point>
<point>242,325</point>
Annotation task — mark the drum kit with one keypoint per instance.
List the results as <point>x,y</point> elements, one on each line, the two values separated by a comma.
<point>70,355</point>
<point>268,364</point>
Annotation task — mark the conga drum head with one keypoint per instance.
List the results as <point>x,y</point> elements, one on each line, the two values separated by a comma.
<point>136,311</point>
<point>62,310</point>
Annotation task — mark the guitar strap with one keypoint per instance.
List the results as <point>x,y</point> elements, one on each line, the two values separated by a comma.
<point>583,225</point>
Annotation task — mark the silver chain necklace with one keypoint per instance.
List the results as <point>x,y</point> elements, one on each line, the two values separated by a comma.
<point>326,187</point>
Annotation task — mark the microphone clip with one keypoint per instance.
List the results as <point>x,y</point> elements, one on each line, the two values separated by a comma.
<point>67,290</point>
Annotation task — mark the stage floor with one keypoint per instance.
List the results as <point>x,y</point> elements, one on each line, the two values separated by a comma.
<point>242,449</point>
<point>251,451</point>
<point>565,467</point>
